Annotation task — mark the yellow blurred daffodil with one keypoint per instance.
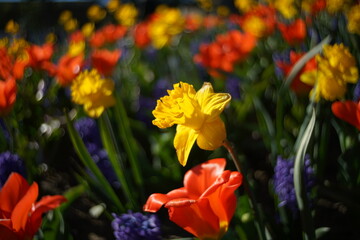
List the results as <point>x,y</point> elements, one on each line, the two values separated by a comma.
<point>88,29</point>
<point>336,68</point>
<point>126,14</point>
<point>64,17</point>
<point>197,115</point>
<point>353,17</point>
<point>113,5</point>
<point>96,13</point>
<point>12,27</point>
<point>92,91</point>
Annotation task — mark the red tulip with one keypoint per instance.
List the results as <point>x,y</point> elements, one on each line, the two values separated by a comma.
<point>104,60</point>
<point>20,214</point>
<point>7,95</point>
<point>293,33</point>
<point>68,68</point>
<point>206,203</point>
<point>349,111</point>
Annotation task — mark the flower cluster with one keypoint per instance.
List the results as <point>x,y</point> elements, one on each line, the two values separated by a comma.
<point>136,226</point>
<point>284,181</point>
<point>10,163</point>
<point>336,68</point>
<point>227,50</point>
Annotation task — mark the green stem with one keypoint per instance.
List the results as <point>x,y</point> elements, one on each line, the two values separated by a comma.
<point>253,203</point>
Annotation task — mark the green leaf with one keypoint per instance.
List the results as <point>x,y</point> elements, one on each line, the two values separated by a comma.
<point>86,159</point>
<point>109,141</point>
<point>299,181</point>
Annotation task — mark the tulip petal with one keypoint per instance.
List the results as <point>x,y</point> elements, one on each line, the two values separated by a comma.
<point>45,204</point>
<point>196,218</point>
<point>183,142</point>
<point>347,111</point>
<point>204,175</point>
<point>11,193</point>
<point>212,135</point>
<point>155,202</point>
<point>7,234</point>
<point>20,214</point>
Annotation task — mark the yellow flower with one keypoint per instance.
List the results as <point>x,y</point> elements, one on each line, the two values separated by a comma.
<point>92,91</point>
<point>336,68</point>
<point>168,23</point>
<point>223,11</point>
<point>96,13</point>
<point>126,14</point>
<point>12,27</point>
<point>353,17</point>
<point>113,5</point>
<point>244,5</point>
<point>286,8</point>
<point>64,17</point>
<point>205,4</point>
<point>87,29</point>
<point>334,6</point>
<point>4,42</point>
<point>50,38</point>
<point>197,115</point>
<point>255,25</point>
<point>76,48</point>
<point>71,25</point>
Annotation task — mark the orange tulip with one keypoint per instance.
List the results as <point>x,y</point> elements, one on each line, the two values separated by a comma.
<point>7,95</point>
<point>20,214</point>
<point>104,60</point>
<point>206,203</point>
<point>68,68</point>
<point>349,111</point>
<point>293,33</point>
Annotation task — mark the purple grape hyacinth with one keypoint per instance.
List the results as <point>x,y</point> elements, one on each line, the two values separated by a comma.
<point>284,181</point>
<point>10,163</point>
<point>136,226</point>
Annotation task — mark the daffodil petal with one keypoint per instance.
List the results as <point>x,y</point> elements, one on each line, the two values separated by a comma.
<point>212,104</point>
<point>212,135</point>
<point>184,140</point>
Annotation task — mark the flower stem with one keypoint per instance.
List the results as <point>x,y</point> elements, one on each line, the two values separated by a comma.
<point>259,224</point>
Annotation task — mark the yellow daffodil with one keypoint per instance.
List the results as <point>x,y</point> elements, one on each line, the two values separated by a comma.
<point>92,91</point>
<point>113,5</point>
<point>12,27</point>
<point>197,115</point>
<point>168,23</point>
<point>71,25</point>
<point>126,14</point>
<point>76,48</point>
<point>255,25</point>
<point>334,6</point>
<point>286,8</point>
<point>87,29</point>
<point>96,13</point>
<point>353,17</point>
<point>64,17</point>
<point>336,68</point>
<point>244,5</point>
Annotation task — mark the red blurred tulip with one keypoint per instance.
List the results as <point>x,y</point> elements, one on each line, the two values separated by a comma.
<point>20,214</point>
<point>113,32</point>
<point>227,50</point>
<point>141,35</point>
<point>297,85</point>
<point>349,111</point>
<point>68,68</point>
<point>105,60</point>
<point>10,68</point>
<point>7,95</point>
<point>206,203</point>
<point>293,33</point>
<point>40,57</point>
